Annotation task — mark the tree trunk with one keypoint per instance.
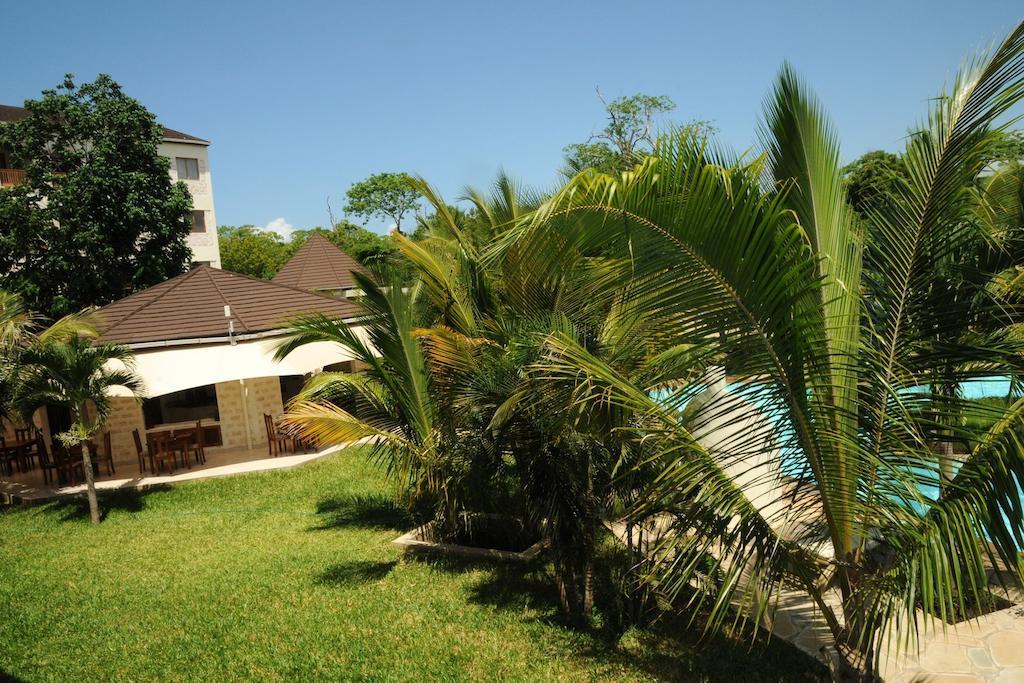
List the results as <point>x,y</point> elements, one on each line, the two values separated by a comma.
<point>588,587</point>
<point>946,461</point>
<point>90,484</point>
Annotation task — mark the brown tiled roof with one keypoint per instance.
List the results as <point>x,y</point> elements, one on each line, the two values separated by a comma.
<point>319,265</point>
<point>9,114</point>
<point>191,306</point>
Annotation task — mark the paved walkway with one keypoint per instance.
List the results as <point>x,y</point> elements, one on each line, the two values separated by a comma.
<point>30,491</point>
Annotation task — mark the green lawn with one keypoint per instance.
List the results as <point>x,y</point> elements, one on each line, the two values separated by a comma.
<point>289,576</point>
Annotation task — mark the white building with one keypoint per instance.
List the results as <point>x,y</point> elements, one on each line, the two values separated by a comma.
<point>190,164</point>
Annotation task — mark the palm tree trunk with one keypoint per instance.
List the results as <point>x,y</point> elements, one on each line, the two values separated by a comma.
<point>90,483</point>
<point>946,460</point>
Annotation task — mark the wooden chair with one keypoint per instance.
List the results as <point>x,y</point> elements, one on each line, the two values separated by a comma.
<point>198,444</point>
<point>192,442</point>
<point>69,468</point>
<point>9,458</point>
<point>276,440</point>
<point>108,454</point>
<point>140,453</point>
<point>162,451</point>
<point>48,466</point>
<point>29,454</point>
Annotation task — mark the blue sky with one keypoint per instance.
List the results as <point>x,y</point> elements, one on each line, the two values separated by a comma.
<point>301,99</point>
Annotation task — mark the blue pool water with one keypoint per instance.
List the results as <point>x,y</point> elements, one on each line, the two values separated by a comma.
<point>792,464</point>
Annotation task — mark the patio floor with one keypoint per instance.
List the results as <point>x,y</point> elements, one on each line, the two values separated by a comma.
<point>28,487</point>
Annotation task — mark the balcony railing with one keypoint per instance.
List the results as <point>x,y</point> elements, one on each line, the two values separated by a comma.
<point>11,176</point>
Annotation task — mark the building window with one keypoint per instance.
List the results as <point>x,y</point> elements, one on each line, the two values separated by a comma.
<point>188,169</point>
<point>190,405</point>
<point>198,221</point>
<point>197,264</point>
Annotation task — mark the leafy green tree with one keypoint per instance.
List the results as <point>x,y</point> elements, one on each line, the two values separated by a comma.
<point>97,216</point>
<point>382,195</point>
<point>1009,148</point>
<point>251,251</point>
<point>628,132</point>
<point>874,177</point>
<point>76,373</point>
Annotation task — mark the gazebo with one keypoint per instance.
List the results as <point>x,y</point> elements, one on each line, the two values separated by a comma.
<point>204,344</point>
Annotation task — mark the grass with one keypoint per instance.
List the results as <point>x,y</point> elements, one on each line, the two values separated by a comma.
<point>289,576</point>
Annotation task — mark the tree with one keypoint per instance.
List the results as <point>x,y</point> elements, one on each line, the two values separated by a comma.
<point>829,326</point>
<point>873,178</point>
<point>440,385</point>
<point>97,216</point>
<point>628,132</point>
<point>877,175</point>
<point>78,374</point>
<point>20,330</point>
<point>1009,148</point>
<point>382,195</point>
<point>251,251</point>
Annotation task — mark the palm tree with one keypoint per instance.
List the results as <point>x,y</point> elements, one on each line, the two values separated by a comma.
<point>833,332</point>
<point>20,329</point>
<point>446,369</point>
<point>79,374</point>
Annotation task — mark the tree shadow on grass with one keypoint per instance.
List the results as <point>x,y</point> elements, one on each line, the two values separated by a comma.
<point>368,511</point>
<point>9,678</point>
<point>355,573</point>
<point>76,508</point>
<point>673,647</point>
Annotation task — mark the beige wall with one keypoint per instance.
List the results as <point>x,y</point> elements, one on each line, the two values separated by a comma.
<point>261,395</point>
<point>125,415</point>
<point>204,245</point>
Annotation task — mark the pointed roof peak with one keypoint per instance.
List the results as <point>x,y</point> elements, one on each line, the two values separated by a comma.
<point>319,265</point>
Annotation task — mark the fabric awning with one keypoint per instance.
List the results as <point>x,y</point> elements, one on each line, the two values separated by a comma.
<point>167,369</point>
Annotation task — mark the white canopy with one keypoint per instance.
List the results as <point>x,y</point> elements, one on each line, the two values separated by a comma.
<point>167,369</point>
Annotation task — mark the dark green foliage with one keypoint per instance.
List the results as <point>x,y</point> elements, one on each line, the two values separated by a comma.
<point>112,221</point>
<point>873,178</point>
<point>251,251</point>
<point>1010,147</point>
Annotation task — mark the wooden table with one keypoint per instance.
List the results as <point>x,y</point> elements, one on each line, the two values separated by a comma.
<point>178,440</point>
<point>17,450</point>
